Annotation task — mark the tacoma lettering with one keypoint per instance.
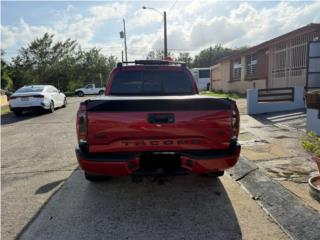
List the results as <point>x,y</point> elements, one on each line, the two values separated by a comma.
<point>162,142</point>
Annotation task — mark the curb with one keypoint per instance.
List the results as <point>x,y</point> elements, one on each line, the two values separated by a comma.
<point>293,216</point>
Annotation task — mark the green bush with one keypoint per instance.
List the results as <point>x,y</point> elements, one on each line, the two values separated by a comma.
<point>222,94</point>
<point>73,85</point>
<point>69,94</point>
<point>312,143</point>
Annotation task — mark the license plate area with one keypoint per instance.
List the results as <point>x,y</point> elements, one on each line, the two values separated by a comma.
<point>160,162</point>
<point>24,99</point>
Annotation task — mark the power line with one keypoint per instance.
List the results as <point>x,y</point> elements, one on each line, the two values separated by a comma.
<point>173,5</point>
<point>119,47</point>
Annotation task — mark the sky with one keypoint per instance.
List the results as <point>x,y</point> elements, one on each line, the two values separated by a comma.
<point>192,25</point>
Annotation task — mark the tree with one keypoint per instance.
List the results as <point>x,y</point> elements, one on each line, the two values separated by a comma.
<point>63,64</point>
<point>208,57</point>
<point>158,55</point>
<point>94,66</point>
<point>185,57</point>
<point>42,61</point>
<point>6,81</point>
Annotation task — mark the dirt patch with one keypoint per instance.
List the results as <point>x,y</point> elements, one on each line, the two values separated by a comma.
<point>296,169</point>
<point>246,136</point>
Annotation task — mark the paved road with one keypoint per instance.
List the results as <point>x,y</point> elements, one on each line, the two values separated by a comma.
<point>38,157</point>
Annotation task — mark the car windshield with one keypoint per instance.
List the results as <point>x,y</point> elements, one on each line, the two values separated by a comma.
<point>151,82</point>
<point>30,89</point>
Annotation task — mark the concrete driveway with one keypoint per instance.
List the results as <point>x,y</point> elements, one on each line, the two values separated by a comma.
<point>191,207</point>
<point>38,157</point>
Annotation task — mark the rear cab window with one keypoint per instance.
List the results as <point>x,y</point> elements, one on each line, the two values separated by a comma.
<point>151,82</point>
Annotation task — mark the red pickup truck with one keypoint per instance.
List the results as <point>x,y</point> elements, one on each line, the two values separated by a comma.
<point>152,122</point>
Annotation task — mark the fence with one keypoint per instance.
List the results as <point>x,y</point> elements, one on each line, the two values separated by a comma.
<point>276,94</point>
<point>275,99</point>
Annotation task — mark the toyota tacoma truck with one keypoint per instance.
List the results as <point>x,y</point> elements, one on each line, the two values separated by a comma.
<point>152,122</point>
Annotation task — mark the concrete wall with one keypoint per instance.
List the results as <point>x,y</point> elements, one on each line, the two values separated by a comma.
<point>3,100</point>
<point>225,75</point>
<point>313,121</point>
<point>216,78</point>
<point>254,107</point>
<point>243,86</point>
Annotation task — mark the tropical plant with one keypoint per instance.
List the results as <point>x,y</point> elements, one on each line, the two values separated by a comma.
<point>312,143</point>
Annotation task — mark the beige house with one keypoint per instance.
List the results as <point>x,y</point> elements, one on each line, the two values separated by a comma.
<point>279,62</point>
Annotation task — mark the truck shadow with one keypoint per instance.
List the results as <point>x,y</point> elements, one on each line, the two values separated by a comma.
<point>190,207</point>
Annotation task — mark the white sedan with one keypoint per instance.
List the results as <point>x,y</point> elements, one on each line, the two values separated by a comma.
<point>36,97</point>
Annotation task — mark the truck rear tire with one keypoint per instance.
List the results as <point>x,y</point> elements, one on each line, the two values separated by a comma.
<point>101,92</point>
<point>17,113</point>
<point>92,177</point>
<point>214,174</point>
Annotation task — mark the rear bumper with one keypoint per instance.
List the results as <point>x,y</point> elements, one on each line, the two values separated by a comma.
<point>34,104</point>
<point>128,163</point>
<point>28,108</point>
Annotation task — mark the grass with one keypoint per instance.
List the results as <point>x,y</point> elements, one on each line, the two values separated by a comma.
<point>5,109</point>
<point>221,94</point>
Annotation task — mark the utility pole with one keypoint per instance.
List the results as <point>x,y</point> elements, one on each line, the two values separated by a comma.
<point>125,40</point>
<point>124,36</point>
<point>122,56</point>
<point>165,34</point>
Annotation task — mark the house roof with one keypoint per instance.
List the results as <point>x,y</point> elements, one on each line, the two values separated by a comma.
<point>305,29</point>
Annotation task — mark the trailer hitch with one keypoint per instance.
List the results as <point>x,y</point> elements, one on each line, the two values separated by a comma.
<point>159,176</point>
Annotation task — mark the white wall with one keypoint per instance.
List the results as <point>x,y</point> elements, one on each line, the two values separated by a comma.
<point>313,122</point>
<point>254,107</point>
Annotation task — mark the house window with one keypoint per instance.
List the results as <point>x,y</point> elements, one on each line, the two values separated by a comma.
<point>236,70</point>
<point>251,68</point>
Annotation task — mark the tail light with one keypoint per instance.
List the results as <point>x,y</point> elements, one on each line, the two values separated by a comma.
<point>12,97</point>
<point>235,122</point>
<point>33,96</point>
<point>82,128</point>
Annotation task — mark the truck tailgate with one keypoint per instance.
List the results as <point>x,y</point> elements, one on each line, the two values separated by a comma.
<point>138,124</point>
